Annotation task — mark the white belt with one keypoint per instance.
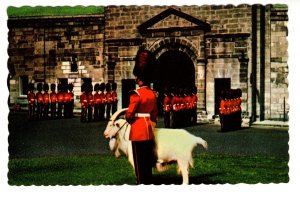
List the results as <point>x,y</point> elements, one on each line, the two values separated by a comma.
<point>140,115</point>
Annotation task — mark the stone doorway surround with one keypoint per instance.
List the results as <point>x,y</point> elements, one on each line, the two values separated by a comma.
<point>185,34</point>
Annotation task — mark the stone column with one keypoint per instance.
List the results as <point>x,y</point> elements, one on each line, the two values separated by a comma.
<point>200,84</point>
<point>243,59</point>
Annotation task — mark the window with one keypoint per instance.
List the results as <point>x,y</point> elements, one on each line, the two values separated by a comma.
<point>63,81</point>
<point>52,58</point>
<point>74,67</point>
<point>23,85</point>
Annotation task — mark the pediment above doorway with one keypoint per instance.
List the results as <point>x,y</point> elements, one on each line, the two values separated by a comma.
<point>172,20</point>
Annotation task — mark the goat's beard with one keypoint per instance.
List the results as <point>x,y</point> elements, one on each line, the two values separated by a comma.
<point>112,144</point>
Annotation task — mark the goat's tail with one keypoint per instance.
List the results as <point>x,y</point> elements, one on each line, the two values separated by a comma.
<point>202,142</point>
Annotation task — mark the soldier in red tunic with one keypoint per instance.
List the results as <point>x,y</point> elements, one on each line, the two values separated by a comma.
<point>97,102</point>
<point>70,100</point>
<point>194,104</point>
<point>46,101</point>
<point>66,100</point>
<point>53,100</point>
<point>188,105</point>
<point>90,100</point>
<point>222,110</point>
<point>60,100</point>
<point>114,95</point>
<point>83,102</point>
<point>182,108</point>
<point>239,110</point>
<point>167,107</point>
<point>141,114</point>
<point>109,100</point>
<point>175,107</point>
<point>39,101</point>
<point>236,108</point>
<point>102,101</point>
<point>31,101</point>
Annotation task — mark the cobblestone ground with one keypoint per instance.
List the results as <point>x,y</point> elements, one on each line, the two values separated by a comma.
<point>71,137</point>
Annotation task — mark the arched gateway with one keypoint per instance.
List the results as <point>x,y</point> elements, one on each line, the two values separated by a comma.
<point>179,48</point>
<point>174,69</point>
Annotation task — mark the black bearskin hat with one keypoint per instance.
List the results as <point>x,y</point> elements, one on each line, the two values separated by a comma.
<point>102,87</point>
<point>114,86</point>
<point>59,88</point>
<point>30,86</point>
<point>64,87</point>
<point>89,87</point>
<point>70,87</point>
<point>194,90</point>
<point>39,87</point>
<point>52,86</point>
<point>46,87</point>
<point>96,87</point>
<point>83,87</point>
<point>108,87</point>
<point>239,92</point>
<point>144,65</point>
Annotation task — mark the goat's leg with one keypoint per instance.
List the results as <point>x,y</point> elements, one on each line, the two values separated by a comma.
<point>161,167</point>
<point>130,155</point>
<point>183,167</point>
<point>117,153</point>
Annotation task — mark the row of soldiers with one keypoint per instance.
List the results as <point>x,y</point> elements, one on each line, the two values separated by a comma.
<point>96,106</point>
<point>58,104</point>
<point>230,109</point>
<point>180,106</point>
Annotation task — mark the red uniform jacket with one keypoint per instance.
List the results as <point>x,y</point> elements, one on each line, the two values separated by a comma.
<point>142,103</point>
<point>83,100</point>
<point>188,102</point>
<point>102,98</point>
<point>175,103</point>
<point>109,98</point>
<point>66,97</point>
<point>46,97</point>
<point>194,101</point>
<point>31,98</point>
<point>39,97</point>
<point>182,104</point>
<point>222,107</point>
<point>97,98</point>
<point>167,103</point>
<point>226,107</point>
<point>114,96</point>
<point>90,99</point>
<point>53,97</point>
<point>60,97</point>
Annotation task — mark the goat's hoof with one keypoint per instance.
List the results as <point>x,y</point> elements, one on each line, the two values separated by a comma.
<point>159,167</point>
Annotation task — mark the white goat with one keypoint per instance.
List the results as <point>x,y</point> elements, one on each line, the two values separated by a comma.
<point>171,144</point>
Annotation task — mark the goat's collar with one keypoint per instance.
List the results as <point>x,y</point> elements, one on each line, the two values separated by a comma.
<point>119,129</point>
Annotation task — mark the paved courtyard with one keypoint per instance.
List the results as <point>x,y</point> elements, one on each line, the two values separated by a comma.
<point>29,139</point>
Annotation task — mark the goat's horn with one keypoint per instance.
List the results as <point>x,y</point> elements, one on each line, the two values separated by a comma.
<point>117,114</point>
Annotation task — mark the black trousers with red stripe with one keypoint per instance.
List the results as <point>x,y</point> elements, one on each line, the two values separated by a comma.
<point>143,156</point>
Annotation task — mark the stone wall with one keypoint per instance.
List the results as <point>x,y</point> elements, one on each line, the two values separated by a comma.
<point>279,65</point>
<point>43,49</point>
